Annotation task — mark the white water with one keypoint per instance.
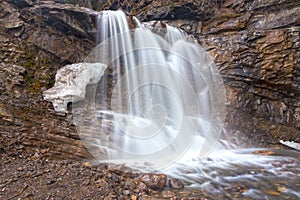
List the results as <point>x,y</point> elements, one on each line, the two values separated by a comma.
<point>163,95</point>
<point>161,104</point>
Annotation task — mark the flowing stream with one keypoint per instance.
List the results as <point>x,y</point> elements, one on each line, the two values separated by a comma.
<point>161,105</point>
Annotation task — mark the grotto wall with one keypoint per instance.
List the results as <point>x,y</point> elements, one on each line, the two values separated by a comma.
<point>255,44</point>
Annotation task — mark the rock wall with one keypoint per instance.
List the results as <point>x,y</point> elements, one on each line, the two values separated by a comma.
<point>36,39</point>
<point>255,44</point>
<point>256,47</point>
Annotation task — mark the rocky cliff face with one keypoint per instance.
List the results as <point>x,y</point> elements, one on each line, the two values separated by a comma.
<point>255,44</point>
<point>256,47</point>
<point>36,39</point>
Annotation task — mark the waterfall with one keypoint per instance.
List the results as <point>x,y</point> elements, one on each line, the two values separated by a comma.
<point>161,105</point>
<point>160,99</point>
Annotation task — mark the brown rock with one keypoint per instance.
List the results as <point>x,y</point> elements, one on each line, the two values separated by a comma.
<point>167,194</point>
<point>153,181</point>
<point>175,183</point>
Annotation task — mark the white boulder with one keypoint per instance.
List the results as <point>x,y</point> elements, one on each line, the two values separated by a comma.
<point>70,83</point>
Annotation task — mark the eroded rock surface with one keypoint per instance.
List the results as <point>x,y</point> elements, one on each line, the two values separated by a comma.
<point>256,47</point>
<point>36,39</point>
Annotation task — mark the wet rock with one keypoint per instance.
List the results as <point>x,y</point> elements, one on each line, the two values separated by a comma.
<point>115,177</point>
<point>64,30</point>
<point>263,152</point>
<point>141,187</point>
<point>134,197</point>
<point>21,3</point>
<point>175,183</point>
<point>153,181</point>
<point>119,169</point>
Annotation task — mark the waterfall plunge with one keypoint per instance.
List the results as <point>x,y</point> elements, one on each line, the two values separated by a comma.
<point>160,98</point>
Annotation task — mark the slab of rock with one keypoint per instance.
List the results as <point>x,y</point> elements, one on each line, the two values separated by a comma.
<point>70,83</point>
<point>291,144</point>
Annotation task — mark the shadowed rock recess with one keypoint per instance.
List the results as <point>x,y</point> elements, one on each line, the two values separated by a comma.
<point>255,45</point>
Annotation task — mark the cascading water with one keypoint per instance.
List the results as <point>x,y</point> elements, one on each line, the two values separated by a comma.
<point>160,96</point>
<point>160,105</point>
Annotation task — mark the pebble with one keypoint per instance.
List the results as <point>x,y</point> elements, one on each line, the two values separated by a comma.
<point>20,169</point>
<point>87,164</point>
<point>167,194</point>
<point>175,183</point>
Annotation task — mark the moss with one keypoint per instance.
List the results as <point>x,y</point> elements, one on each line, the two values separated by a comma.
<point>29,77</point>
<point>31,64</point>
<point>69,2</point>
<point>236,15</point>
<point>52,82</point>
<point>28,55</point>
<point>172,6</point>
<point>32,89</point>
<point>37,65</point>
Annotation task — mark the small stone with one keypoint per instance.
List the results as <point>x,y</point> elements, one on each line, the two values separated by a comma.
<point>175,183</point>
<point>115,177</point>
<point>167,194</point>
<point>44,151</point>
<point>109,175</point>
<point>87,164</point>
<point>141,187</point>
<point>120,169</point>
<point>126,192</point>
<point>281,189</point>
<point>20,169</point>
<point>133,197</point>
